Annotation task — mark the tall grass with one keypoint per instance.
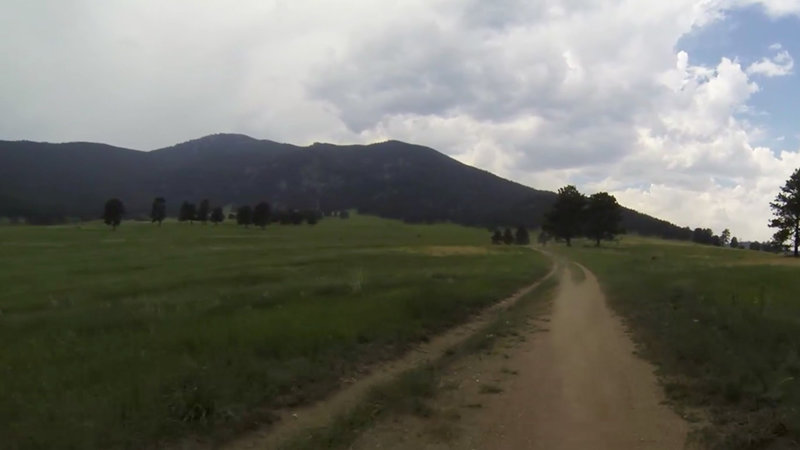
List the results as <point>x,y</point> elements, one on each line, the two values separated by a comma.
<point>722,324</point>
<point>129,338</point>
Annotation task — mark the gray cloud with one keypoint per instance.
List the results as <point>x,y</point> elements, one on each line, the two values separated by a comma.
<point>547,92</point>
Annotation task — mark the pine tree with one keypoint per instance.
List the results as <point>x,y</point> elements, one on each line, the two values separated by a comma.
<point>217,215</point>
<point>203,210</point>
<point>508,237</point>
<point>786,211</point>
<point>522,237</point>
<point>113,212</point>
<point>602,217</point>
<point>261,214</point>
<point>244,216</point>
<point>159,210</point>
<point>565,219</point>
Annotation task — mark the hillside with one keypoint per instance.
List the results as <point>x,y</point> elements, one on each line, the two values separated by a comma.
<point>390,179</point>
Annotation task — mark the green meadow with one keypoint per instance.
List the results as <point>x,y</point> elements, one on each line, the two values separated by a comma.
<point>723,326</point>
<point>149,335</point>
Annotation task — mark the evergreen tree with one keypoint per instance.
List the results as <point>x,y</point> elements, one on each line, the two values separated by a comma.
<point>602,217</point>
<point>786,211</point>
<point>725,237</point>
<point>159,210</point>
<point>497,237</point>
<point>203,210</point>
<point>312,217</point>
<point>217,215</point>
<point>508,237</point>
<point>187,212</point>
<point>244,216</point>
<point>543,238</point>
<point>261,214</point>
<point>565,219</point>
<point>522,237</point>
<point>113,212</point>
<point>734,242</point>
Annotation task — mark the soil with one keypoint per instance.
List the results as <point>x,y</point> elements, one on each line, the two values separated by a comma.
<point>570,381</point>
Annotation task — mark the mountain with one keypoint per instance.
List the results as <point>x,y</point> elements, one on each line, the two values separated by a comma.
<point>391,179</point>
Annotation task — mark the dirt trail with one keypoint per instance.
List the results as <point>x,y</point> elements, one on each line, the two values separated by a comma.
<point>575,385</point>
<point>319,414</point>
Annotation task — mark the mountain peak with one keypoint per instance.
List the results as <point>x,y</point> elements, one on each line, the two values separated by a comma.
<point>220,138</point>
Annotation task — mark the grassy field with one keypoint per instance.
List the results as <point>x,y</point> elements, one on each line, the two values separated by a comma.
<point>128,338</point>
<point>722,324</point>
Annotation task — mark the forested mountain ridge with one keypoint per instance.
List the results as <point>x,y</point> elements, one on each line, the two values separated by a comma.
<point>391,179</point>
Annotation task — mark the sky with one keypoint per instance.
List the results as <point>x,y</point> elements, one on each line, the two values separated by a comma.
<point>683,109</point>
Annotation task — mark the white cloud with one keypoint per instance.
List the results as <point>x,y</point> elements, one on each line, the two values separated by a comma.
<point>777,66</point>
<point>591,92</point>
<point>774,8</point>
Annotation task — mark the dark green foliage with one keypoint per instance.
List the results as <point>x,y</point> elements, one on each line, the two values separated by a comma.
<point>786,212</point>
<point>344,214</point>
<point>565,219</point>
<point>522,237</point>
<point>261,214</point>
<point>217,216</point>
<point>543,238</point>
<point>703,236</point>
<point>187,212</point>
<point>602,217</point>
<point>312,217</point>
<point>203,211</point>
<point>755,245</point>
<point>158,212</point>
<point>290,216</point>
<point>725,237</point>
<point>113,212</point>
<point>508,237</point>
<point>497,237</point>
<point>735,242</point>
<point>244,215</point>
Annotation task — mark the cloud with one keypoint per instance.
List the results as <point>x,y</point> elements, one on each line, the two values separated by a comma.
<point>591,92</point>
<point>777,66</point>
<point>774,8</point>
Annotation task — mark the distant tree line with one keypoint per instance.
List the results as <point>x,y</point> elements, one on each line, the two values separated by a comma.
<point>259,215</point>
<point>520,237</point>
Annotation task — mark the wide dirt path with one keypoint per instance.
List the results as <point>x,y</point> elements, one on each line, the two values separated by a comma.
<point>582,387</point>
<point>575,385</point>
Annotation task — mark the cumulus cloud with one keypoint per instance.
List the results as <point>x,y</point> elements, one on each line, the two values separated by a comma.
<point>591,92</point>
<point>777,66</point>
<point>774,8</point>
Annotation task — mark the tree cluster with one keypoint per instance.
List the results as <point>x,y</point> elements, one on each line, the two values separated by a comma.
<point>262,214</point>
<point>259,215</point>
<point>520,237</point>
<point>573,214</point>
<point>189,212</point>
